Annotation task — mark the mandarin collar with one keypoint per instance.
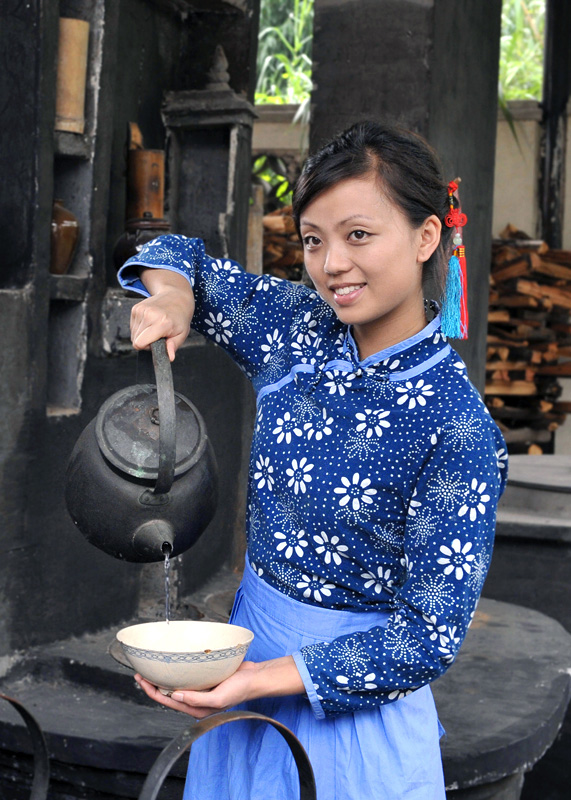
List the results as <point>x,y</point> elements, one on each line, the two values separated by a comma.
<point>408,353</point>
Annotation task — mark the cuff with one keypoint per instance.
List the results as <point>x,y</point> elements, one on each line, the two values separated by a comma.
<point>314,701</point>
<point>128,275</point>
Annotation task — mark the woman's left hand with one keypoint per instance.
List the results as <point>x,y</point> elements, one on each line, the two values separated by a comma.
<point>274,678</point>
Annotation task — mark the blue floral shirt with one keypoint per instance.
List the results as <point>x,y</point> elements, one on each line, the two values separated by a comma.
<point>372,484</point>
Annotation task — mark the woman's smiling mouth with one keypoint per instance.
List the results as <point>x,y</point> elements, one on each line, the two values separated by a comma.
<point>344,294</point>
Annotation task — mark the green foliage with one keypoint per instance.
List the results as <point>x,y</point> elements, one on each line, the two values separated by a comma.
<point>284,53</point>
<point>270,172</point>
<point>521,50</point>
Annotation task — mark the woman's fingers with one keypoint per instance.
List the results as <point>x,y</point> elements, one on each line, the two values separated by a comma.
<point>160,317</point>
<point>197,710</point>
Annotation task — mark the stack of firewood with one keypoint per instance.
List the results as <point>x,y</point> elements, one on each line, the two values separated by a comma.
<point>283,253</point>
<point>529,340</point>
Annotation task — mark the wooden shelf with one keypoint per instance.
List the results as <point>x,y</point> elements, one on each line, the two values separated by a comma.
<point>68,287</point>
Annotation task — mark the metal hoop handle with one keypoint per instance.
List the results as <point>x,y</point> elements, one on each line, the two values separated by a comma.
<point>167,417</point>
<point>41,758</point>
<point>186,739</point>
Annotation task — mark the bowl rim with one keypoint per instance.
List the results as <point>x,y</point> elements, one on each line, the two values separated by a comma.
<point>247,640</point>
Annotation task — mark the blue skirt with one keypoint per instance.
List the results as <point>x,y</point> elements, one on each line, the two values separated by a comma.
<point>391,752</point>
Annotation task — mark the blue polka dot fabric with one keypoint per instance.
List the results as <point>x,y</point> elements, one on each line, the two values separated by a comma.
<point>373,484</point>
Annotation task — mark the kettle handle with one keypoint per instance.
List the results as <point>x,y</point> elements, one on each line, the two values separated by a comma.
<point>167,417</point>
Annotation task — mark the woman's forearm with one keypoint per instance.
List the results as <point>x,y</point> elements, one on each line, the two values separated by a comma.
<point>159,280</point>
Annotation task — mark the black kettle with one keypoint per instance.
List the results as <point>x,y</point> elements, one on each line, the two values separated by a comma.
<point>142,478</point>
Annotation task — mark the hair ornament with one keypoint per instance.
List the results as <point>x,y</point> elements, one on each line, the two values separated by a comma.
<point>455,298</point>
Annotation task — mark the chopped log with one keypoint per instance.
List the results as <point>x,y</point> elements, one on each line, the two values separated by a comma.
<point>545,406</point>
<point>553,270</point>
<point>511,388</point>
<point>517,269</point>
<point>517,301</point>
<point>562,407</point>
<point>534,450</point>
<point>500,315</point>
<point>563,369</point>
<point>510,366</point>
<point>526,435</point>
<point>560,256</point>
<point>279,224</point>
<point>559,297</point>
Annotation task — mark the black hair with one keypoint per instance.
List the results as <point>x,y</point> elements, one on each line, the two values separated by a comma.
<point>407,166</point>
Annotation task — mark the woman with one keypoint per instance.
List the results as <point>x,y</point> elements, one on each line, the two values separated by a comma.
<point>374,478</point>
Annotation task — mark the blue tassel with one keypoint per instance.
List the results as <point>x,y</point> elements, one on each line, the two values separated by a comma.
<point>451,299</point>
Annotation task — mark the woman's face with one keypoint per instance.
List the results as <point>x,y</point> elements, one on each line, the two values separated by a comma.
<point>366,261</point>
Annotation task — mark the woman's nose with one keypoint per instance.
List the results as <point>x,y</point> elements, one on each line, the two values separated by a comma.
<point>336,262</point>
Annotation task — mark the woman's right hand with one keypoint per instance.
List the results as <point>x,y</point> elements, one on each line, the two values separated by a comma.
<point>166,314</point>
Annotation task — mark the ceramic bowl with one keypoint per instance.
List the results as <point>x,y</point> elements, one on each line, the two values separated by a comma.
<point>184,654</point>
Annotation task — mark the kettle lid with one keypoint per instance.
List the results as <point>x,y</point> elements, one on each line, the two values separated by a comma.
<point>127,430</point>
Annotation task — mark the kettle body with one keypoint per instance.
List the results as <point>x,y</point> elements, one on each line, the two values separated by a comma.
<point>142,478</point>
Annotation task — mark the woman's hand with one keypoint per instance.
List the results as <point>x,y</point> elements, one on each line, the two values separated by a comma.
<point>275,678</point>
<point>166,314</point>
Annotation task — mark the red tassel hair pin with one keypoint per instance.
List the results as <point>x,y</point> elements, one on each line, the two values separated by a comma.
<point>455,298</point>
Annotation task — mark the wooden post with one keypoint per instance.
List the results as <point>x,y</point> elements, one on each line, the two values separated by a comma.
<point>556,86</point>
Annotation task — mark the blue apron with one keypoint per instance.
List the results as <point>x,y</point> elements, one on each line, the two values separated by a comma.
<point>391,752</point>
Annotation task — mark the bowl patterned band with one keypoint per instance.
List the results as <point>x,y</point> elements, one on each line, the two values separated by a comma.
<point>185,658</point>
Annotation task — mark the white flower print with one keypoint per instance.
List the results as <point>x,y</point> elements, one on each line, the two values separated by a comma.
<point>299,475</point>
<point>414,394</point>
<point>219,328</point>
<point>254,522</point>
<point>433,627</point>
<point>285,426</point>
<point>461,369</point>
<point>286,513</point>
<point>502,460</point>
<point>388,537</point>
<point>304,408</point>
<point>332,548</point>
<point>265,281</point>
<point>353,519</point>
<point>423,526</point>
<point>339,381</point>
<point>313,653</point>
<point>349,656</point>
<point>396,694</point>
<point>355,491</point>
<point>474,500</point>
<point>226,268</point>
<point>407,565</point>
<point>359,683</point>
<point>446,490</point>
<point>479,571</point>
<point>243,317</point>
<point>401,642</point>
<point>391,363</point>
<point>382,580</point>
<point>372,422</point>
<point>434,436</point>
<point>433,593</point>
<point>258,570</point>
<point>449,644</point>
<point>307,354</point>
<point>319,427</point>
<point>285,576</point>
<point>463,432</point>
<point>259,418</point>
<point>292,542</point>
<point>357,445</point>
<point>456,558</point>
<point>316,586</point>
<point>413,505</point>
<point>304,332</point>
<point>264,473</point>
<point>273,346</point>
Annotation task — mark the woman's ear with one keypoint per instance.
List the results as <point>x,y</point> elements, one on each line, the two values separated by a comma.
<point>429,231</point>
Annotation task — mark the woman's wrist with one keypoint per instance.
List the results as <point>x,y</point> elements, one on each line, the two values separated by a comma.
<point>276,678</point>
<point>158,281</point>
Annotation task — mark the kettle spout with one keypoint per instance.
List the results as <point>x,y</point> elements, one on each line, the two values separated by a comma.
<point>153,540</point>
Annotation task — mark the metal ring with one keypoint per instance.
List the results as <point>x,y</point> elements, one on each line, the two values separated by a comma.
<point>41,759</point>
<point>186,739</point>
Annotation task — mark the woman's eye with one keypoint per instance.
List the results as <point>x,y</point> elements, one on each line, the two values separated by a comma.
<point>359,235</point>
<point>310,241</point>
